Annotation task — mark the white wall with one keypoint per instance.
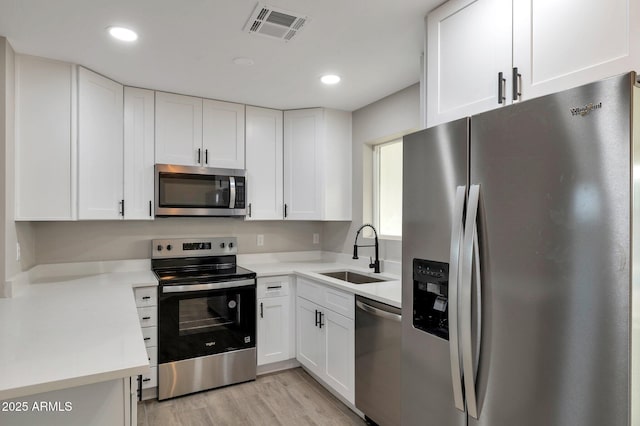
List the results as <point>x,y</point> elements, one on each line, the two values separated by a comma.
<point>58,242</point>
<point>11,232</point>
<point>382,120</point>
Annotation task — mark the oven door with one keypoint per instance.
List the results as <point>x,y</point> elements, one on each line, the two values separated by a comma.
<point>204,319</point>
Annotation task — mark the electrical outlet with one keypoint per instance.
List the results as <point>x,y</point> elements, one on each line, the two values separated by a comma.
<point>316,238</point>
<point>260,240</point>
<point>17,252</point>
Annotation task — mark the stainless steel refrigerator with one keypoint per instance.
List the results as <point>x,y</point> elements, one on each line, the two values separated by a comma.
<point>520,257</point>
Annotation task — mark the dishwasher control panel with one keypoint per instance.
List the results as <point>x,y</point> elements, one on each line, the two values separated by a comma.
<point>431,297</point>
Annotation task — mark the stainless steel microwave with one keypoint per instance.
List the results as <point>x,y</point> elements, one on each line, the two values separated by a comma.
<point>199,191</point>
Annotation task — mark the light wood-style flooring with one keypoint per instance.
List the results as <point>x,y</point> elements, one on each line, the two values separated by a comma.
<point>289,397</point>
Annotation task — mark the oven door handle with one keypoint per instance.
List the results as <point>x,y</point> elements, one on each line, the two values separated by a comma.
<point>209,286</point>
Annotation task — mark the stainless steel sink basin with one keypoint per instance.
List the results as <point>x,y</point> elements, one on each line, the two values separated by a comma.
<point>352,277</point>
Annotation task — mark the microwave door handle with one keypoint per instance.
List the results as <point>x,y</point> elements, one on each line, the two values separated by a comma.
<point>232,190</point>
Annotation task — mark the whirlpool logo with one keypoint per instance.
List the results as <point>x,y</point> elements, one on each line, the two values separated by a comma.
<point>210,344</point>
<point>582,111</point>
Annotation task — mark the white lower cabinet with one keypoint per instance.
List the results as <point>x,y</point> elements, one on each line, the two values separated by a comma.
<point>146,302</point>
<point>110,403</point>
<point>274,320</point>
<point>326,339</point>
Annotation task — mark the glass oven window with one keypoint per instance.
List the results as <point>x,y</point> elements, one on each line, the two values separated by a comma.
<point>197,191</point>
<point>208,314</point>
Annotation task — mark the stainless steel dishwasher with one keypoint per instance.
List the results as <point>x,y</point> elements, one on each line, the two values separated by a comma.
<point>378,353</point>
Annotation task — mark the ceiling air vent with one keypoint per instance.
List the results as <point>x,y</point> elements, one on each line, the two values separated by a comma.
<point>275,23</point>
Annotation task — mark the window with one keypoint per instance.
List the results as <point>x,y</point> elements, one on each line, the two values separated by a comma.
<point>387,189</point>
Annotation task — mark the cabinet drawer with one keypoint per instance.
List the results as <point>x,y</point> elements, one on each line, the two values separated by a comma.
<point>150,336</point>
<point>152,353</point>
<point>273,287</point>
<point>339,301</point>
<point>150,380</point>
<point>146,296</point>
<point>148,316</point>
<point>309,290</point>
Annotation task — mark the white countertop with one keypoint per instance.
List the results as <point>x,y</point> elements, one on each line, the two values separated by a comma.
<point>70,330</point>
<point>389,292</point>
<point>74,324</point>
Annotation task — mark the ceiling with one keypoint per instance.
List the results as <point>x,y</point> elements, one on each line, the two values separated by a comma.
<point>188,46</point>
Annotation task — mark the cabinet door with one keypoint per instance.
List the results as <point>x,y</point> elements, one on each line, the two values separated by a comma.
<point>468,44</point>
<point>100,146</point>
<point>45,139</point>
<point>340,353</point>
<point>559,45</point>
<point>273,329</point>
<point>139,105</point>
<point>303,155</point>
<point>309,337</point>
<point>223,134</point>
<point>178,130</point>
<point>264,164</point>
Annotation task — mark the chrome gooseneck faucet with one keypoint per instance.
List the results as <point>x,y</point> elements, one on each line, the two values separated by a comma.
<point>375,264</point>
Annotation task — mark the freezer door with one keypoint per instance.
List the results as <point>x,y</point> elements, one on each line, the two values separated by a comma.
<point>434,165</point>
<point>554,234</point>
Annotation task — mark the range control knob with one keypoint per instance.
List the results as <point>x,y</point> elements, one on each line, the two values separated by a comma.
<point>221,245</point>
<point>159,248</point>
<point>230,245</point>
<point>169,247</point>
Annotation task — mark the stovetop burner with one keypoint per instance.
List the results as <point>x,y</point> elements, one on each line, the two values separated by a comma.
<point>197,261</point>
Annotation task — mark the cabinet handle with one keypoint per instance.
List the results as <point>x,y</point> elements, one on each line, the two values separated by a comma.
<point>249,209</point>
<point>121,208</point>
<point>199,155</point>
<point>501,88</point>
<point>206,156</point>
<point>285,210</point>
<point>517,85</point>
<point>146,297</point>
<point>317,312</point>
<point>320,322</point>
<point>271,287</point>
<point>146,318</point>
<point>261,310</point>
<point>146,380</point>
<point>147,338</point>
<point>150,209</point>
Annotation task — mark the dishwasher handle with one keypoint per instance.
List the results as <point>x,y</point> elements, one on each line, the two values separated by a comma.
<point>378,312</point>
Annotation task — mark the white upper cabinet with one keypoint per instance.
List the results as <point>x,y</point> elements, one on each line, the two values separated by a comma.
<point>469,44</point>
<point>178,129</point>
<point>317,164</point>
<point>193,131</point>
<point>100,147</point>
<point>45,139</point>
<point>139,105</point>
<point>264,164</point>
<point>223,134</point>
<point>482,54</point>
<point>558,45</point>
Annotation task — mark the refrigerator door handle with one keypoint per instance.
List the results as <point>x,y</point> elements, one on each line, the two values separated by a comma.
<point>470,255</point>
<point>454,279</point>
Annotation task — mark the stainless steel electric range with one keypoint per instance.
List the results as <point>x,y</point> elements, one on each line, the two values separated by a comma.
<point>206,315</point>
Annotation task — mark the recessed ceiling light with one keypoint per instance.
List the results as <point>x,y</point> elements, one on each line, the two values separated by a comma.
<point>330,79</point>
<point>243,61</point>
<point>123,34</point>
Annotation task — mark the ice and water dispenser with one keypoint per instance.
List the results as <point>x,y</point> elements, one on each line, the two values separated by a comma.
<point>430,297</point>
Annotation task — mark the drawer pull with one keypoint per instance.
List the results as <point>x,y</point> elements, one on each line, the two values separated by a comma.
<point>146,318</point>
<point>146,297</point>
<point>146,380</point>
<point>271,287</point>
<point>147,338</point>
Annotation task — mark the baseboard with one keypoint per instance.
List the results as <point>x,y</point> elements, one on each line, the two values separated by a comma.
<point>278,366</point>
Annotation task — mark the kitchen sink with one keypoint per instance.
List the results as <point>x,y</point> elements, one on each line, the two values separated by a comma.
<point>352,277</point>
